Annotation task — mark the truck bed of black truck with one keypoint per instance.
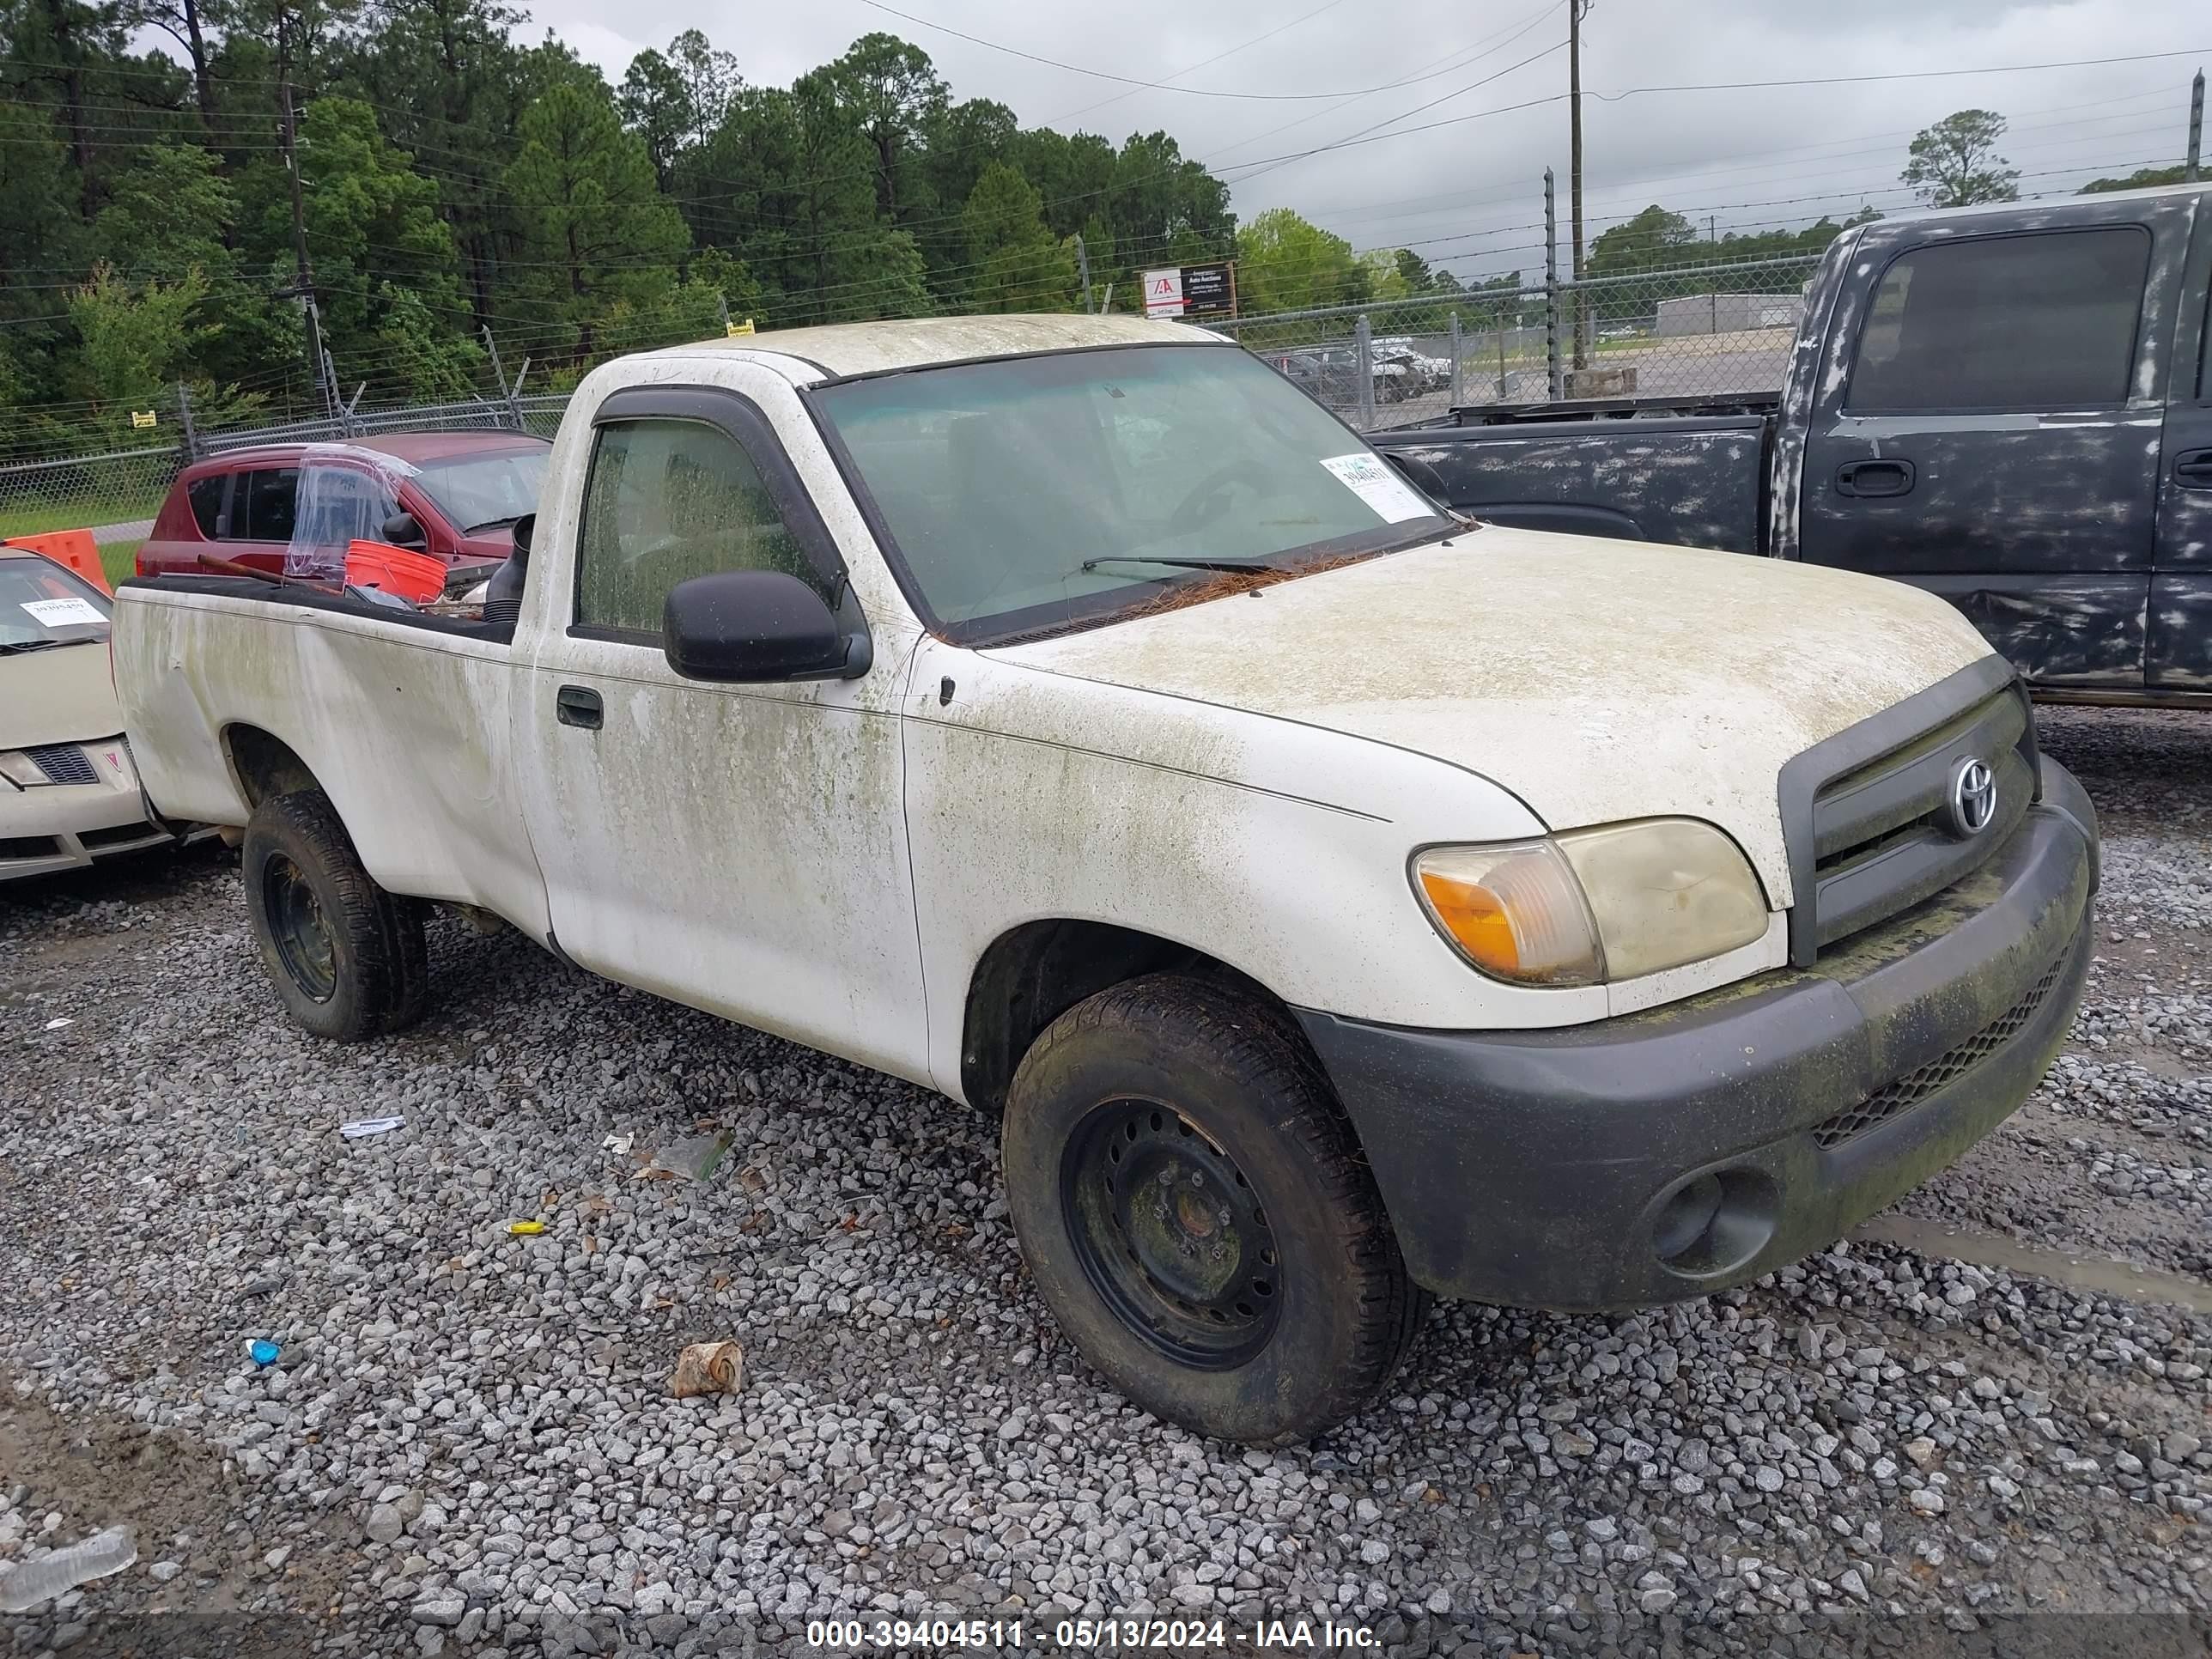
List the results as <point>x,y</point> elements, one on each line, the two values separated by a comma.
<point>2009,405</point>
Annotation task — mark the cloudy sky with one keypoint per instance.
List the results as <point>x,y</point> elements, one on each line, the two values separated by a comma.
<point>1468,191</point>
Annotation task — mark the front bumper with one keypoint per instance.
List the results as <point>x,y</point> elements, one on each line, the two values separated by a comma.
<point>66,826</point>
<point>1568,1169</point>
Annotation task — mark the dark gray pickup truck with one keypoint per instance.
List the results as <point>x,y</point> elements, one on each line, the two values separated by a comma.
<point>2010,406</point>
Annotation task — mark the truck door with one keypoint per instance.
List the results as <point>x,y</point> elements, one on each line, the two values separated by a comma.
<point>2181,585</point>
<point>1989,402</point>
<point>741,849</point>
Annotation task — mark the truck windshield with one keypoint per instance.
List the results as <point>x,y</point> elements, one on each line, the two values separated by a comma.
<point>41,606</point>
<point>1028,494</point>
<point>476,492</point>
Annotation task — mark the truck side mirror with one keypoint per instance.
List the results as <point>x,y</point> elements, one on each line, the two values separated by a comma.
<point>401,530</point>
<point>754,625</point>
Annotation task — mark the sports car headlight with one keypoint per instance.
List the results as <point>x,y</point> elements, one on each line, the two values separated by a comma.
<point>1593,905</point>
<point>20,769</point>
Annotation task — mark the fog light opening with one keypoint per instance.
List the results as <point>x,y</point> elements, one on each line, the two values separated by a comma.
<point>1714,1224</point>
<point>1686,1215</point>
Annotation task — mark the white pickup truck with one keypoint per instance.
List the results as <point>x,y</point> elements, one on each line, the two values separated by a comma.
<point>1339,901</point>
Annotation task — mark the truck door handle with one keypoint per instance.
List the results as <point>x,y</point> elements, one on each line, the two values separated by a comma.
<point>1873,478</point>
<point>579,705</point>
<point>2192,469</point>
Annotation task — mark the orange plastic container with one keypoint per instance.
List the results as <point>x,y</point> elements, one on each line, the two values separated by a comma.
<point>74,548</point>
<point>412,575</point>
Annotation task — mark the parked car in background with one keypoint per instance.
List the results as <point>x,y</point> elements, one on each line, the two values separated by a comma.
<point>1330,375</point>
<point>453,495</point>
<point>2009,405</point>
<point>1338,901</point>
<point>1426,372</point>
<point>69,790</point>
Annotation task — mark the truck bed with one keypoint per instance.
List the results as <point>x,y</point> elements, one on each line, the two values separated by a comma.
<point>1640,471</point>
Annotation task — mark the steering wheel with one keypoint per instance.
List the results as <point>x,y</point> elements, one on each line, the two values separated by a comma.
<point>1209,498</point>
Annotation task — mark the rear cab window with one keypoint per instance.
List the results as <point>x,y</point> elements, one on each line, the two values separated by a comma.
<point>2039,320</point>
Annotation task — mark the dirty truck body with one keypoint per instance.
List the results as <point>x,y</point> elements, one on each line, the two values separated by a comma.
<point>1415,907</point>
<point>2010,406</point>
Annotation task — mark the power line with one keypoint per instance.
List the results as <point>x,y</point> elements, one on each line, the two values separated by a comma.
<point>1134,81</point>
<point>1901,75</point>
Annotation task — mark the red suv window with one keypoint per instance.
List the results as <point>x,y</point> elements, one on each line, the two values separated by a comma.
<point>271,499</point>
<point>206,496</point>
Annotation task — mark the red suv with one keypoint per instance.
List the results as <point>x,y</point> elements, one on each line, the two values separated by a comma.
<point>456,497</point>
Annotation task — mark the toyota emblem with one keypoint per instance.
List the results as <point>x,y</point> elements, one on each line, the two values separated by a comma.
<point>1972,800</point>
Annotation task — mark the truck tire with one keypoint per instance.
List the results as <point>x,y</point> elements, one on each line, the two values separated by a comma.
<point>1198,1216</point>
<point>349,960</point>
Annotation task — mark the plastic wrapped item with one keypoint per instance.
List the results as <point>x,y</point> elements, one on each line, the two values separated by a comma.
<point>345,495</point>
<point>693,1158</point>
<point>33,1583</point>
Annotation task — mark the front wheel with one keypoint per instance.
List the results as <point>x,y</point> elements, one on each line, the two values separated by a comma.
<point>1197,1215</point>
<point>348,959</point>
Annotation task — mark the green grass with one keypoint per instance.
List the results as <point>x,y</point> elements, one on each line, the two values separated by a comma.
<point>120,559</point>
<point>80,512</point>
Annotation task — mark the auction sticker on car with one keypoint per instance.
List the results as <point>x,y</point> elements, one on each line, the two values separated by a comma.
<point>64,613</point>
<point>1374,482</point>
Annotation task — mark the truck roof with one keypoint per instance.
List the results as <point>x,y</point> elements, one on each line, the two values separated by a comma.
<point>844,348</point>
<point>2055,206</point>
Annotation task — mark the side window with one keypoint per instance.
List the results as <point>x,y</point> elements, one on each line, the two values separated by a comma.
<point>271,501</point>
<point>205,497</point>
<point>669,500</point>
<point>2039,321</point>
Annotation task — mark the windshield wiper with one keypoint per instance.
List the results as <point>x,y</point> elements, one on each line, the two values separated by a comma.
<point>9,647</point>
<point>492,524</point>
<point>1179,565</point>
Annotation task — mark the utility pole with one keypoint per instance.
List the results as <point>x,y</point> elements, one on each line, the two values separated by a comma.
<point>1575,10</point>
<point>1083,265</point>
<point>305,282</point>
<point>2195,124</point>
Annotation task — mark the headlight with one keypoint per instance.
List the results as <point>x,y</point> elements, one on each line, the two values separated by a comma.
<point>1593,905</point>
<point>20,769</point>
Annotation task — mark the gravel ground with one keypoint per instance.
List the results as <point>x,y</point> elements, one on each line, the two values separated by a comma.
<point>467,1446</point>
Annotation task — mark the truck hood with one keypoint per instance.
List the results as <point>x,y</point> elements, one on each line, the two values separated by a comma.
<point>1596,680</point>
<point>66,695</point>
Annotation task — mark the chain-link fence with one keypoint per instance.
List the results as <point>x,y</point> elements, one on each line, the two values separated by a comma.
<point>74,492</point>
<point>1689,333</point>
<point>120,491</point>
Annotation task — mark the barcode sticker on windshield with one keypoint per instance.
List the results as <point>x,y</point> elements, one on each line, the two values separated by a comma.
<point>1370,479</point>
<point>64,613</point>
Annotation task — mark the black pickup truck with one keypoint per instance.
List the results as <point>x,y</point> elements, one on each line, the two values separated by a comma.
<point>2010,406</point>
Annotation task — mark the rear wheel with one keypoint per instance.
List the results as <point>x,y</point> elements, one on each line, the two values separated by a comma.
<point>1197,1215</point>
<point>348,959</point>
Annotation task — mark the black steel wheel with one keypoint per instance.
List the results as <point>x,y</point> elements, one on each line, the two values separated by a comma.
<point>348,959</point>
<point>1171,1233</point>
<point>1196,1212</point>
<point>298,929</point>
